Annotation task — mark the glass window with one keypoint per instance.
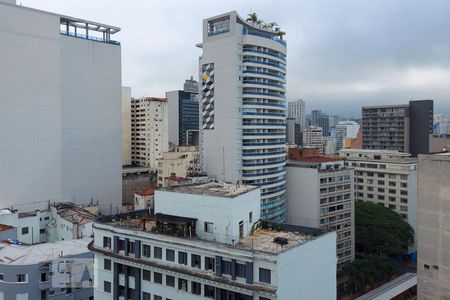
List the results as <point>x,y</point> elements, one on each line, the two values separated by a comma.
<point>264,275</point>
<point>226,267</point>
<point>182,258</point>
<point>157,277</point>
<point>145,296</point>
<point>182,284</point>
<point>107,286</point>
<point>196,261</point>
<point>146,250</point>
<point>240,270</point>
<point>209,263</point>
<point>157,252</point>
<point>146,275</point>
<point>196,288</point>
<point>170,281</point>
<point>107,264</point>
<point>170,255</point>
<point>209,292</point>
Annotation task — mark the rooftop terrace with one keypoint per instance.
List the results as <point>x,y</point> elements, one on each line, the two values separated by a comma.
<point>213,188</point>
<point>265,237</point>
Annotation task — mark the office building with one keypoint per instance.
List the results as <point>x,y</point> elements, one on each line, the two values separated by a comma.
<point>313,137</point>
<point>329,146</point>
<point>320,195</point>
<point>433,271</point>
<point>126,126</point>
<point>387,178</point>
<point>346,129</point>
<point>320,119</point>
<point>181,162</point>
<point>184,114</point>
<point>405,128</point>
<point>59,270</point>
<point>60,112</point>
<point>243,107</point>
<point>149,131</point>
<point>206,241</point>
<point>296,110</point>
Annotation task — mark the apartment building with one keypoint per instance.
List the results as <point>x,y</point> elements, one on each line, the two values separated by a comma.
<point>60,109</point>
<point>205,241</point>
<point>184,114</point>
<point>405,128</point>
<point>149,131</point>
<point>433,227</point>
<point>243,107</point>
<point>313,137</point>
<point>388,178</point>
<point>126,126</point>
<point>56,271</point>
<point>321,195</point>
<point>182,161</point>
<point>296,110</point>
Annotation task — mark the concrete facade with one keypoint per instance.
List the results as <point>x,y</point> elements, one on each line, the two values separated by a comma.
<point>313,137</point>
<point>243,107</point>
<point>182,162</point>
<point>126,126</point>
<point>433,265</point>
<point>320,195</point>
<point>149,131</point>
<point>387,178</point>
<point>60,125</point>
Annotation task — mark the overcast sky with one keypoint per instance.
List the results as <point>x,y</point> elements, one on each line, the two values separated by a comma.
<point>341,54</point>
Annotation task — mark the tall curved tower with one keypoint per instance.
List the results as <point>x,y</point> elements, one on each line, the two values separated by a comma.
<point>243,108</point>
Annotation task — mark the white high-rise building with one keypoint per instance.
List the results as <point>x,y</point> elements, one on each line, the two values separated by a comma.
<point>296,110</point>
<point>60,111</point>
<point>126,126</point>
<point>149,131</point>
<point>243,107</point>
<point>345,129</point>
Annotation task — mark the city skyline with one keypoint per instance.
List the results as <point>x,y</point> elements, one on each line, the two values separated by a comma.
<point>334,64</point>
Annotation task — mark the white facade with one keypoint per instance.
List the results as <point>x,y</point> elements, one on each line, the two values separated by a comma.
<point>386,177</point>
<point>243,107</point>
<point>313,137</point>
<point>132,262</point>
<point>320,195</point>
<point>126,126</point>
<point>346,129</point>
<point>60,127</point>
<point>182,162</point>
<point>149,130</point>
<point>329,146</point>
<point>296,110</point>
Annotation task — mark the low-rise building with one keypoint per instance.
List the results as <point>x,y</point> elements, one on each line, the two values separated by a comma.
<point>206,241</point>
<point>354,142</point>
<point>58,270</point>
<point>62,221</point>
<point>388,178</point>
<point>144,199</point>
<point>433,240</point>
<point>320,195</point>
<point>181,162</point>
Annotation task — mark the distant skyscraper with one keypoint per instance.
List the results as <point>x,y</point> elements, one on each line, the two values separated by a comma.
<point>313,137</point>
<point>345,129</point>
<point>405,128</point>
<point>60,111</point>
<point>126,126</point>
<point>296,110</point>
<point>184,114</point>
<point>149,131</point>
<point>320,119</point>
<point>243,107</point>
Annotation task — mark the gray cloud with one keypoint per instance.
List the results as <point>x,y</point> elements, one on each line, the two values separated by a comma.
<point>341,54</point>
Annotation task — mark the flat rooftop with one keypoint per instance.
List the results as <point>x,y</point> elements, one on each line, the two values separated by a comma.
<point>263,239</point>
<point>34,254</point>
<point>213,188</point>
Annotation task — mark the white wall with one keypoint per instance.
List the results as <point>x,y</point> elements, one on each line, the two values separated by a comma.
<point>308,271</point>
<point>91,115</point>
<point>30,93</point>
<point>60,114</point>
<point>173,122</point>
<point>126,126</point>
<point>224,212</point>
<point>303,196</point>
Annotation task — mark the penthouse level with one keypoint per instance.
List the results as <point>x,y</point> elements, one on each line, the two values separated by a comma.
<point>142,255</point>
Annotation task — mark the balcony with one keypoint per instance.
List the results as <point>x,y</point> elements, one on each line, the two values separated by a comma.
<point>89,37</point>
<point>264,35</point>
<point>249,71</point>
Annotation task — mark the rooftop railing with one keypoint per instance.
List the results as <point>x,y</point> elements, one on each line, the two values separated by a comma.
<point>264,35</point>
<point>88,37</point>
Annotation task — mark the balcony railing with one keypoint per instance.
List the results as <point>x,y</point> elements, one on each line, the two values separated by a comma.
<point>263,94</point>
<point>264,73</point>
<point>263,154</point>
<point>255,61</point>
<point>88,37</point>
<point>277,55</point>
<point>263,83</point>
<point>264,35</point>
<point>264,104</point>
<point>217,32</point>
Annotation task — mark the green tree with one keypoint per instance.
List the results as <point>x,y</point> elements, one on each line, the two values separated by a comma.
<point>379,230</point>
<point>253,18</point>
<point>367,271</point>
